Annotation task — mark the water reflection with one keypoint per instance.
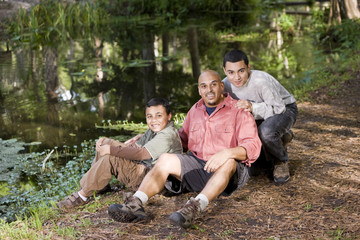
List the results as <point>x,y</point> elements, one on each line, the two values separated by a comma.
<point>55,90</point>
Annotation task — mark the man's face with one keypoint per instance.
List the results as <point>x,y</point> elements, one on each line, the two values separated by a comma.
<point>156,118</point>
<point>238,73</point>
<point>211,88</point>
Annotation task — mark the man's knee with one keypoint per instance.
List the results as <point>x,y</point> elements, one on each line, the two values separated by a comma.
<point>266,133</point>
<point>229,167</point>
<point>167,162</point>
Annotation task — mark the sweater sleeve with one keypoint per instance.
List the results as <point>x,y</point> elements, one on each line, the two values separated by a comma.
<point>272,102</point>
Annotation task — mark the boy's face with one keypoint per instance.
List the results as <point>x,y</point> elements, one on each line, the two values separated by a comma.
<point>238,73</point>
<point>156,118</point>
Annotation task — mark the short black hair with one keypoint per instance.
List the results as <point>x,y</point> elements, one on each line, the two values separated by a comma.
<point>235,56</point>
<point>159,101</point>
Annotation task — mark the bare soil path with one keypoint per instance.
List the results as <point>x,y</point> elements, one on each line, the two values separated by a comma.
<point>321,201</point>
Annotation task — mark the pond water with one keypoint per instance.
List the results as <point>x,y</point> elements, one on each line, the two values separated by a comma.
<point>54,92</point>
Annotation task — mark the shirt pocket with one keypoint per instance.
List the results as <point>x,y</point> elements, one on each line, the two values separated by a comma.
<point>195,133</point>
<point>224,128</point>
<point>224,134</point>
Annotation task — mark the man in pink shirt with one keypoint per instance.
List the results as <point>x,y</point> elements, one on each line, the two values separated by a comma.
<point>222,141</point>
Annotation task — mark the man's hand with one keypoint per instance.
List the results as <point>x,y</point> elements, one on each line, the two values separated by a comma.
<point>133,140</point>
<point>244,104</point>
<point>216,161</point>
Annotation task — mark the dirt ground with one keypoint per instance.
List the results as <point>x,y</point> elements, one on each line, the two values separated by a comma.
<point>321,200</point>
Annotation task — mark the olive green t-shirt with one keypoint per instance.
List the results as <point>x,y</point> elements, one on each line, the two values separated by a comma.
<point>165,141</point>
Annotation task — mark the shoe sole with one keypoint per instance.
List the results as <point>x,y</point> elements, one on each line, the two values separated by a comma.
<point>281,180</point>
<point>115,213</point>
<point>178,220</point>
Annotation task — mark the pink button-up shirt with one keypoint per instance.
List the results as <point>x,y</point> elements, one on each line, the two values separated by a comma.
<point>226,127</point>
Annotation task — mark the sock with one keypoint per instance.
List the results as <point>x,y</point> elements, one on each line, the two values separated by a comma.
<point>142,196</point>
<point>82,197</point>
<point>204,201</point>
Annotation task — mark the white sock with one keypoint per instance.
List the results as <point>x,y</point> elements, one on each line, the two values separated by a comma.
<point>142,196</point>
<point>82,197</point>
<point>204,201</point>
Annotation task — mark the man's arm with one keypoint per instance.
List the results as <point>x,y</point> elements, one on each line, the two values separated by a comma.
<point>219,158</point>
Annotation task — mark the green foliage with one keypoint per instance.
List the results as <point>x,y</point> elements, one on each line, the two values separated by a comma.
<point>19,230</point>
<point>51,21</point>
<point>9,150</point>
<point>137,128</point>
<point>53,183</point>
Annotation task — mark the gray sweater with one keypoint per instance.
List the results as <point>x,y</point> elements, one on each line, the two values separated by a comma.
<point>267,95</point>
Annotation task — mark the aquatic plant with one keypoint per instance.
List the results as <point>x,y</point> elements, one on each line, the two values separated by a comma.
<point>33,181</point>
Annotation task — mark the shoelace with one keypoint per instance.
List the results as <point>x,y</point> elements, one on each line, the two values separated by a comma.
<point>191,207</point>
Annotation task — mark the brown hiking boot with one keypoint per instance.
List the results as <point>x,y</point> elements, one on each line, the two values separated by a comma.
<point>185,216</point>
<point>130,211</point>
<point>74,200</point>
<point>281,172</point>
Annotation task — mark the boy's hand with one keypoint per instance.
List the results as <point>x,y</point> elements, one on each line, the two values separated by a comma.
<point>103,150</point>
<point>133,140</point>
<point>244,104</point>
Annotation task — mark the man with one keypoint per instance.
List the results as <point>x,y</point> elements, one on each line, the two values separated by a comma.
<point>129,161</point>
<point>223,141</point>
<point>273,107</point>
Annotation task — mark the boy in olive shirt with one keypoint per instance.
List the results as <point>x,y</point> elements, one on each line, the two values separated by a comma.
<point>130,161</point>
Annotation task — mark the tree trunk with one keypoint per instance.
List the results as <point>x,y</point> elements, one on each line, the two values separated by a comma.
<point>342,9</point>
<point>149,71</point>
<point>334,15</point>
<point>351,9</point>
<point>99,75</point>
<point>194,51</point>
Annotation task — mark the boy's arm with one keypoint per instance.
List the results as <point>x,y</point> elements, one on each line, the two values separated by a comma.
<point>131,152</point>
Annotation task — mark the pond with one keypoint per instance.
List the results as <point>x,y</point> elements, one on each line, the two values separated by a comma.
<point>53,91</point>
<point>58,83</point>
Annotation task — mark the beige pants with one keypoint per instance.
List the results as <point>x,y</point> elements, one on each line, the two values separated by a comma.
<point>129,172</point>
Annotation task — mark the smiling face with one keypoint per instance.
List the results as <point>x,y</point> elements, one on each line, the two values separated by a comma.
<point>237,72</point>
<point>157,118</point>
<point>211,88</point>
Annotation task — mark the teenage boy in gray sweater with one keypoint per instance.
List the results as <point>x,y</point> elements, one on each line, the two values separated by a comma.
<point>272,106</point>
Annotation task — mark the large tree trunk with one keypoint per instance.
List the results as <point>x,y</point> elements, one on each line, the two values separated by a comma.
<point>351,9</point>
<point>342,9</point>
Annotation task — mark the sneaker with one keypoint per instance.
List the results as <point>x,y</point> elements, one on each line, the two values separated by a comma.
<point>74,200</point>
<point>281,172</point>
<point>130,211</point>
<point>185,216</point>
<point>287,138</point>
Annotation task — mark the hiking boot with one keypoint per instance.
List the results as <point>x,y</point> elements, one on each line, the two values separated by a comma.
<point>130,211</point>
<point>286,138</point>
<point>281,172</point>
<point>185,216</point>
<point>74,200</point>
